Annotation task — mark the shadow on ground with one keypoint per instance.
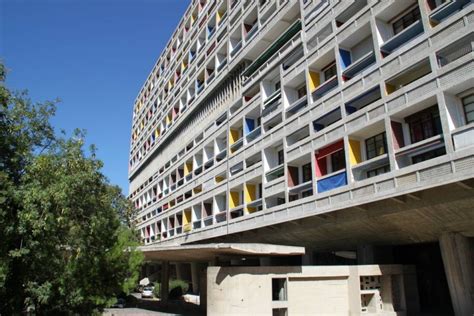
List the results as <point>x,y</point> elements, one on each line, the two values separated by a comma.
<point>179,307</point>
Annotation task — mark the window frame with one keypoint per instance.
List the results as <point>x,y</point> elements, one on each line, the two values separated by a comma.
<point>335,160</point>
<point>409,17</point>
<point>426,123</point>
<point>464,105</point>
<point>378,144</point>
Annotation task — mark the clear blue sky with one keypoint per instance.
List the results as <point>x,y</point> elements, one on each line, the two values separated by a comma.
<point>92,54</point>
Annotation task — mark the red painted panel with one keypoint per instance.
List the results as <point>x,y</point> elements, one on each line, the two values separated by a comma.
<point>397,135</point>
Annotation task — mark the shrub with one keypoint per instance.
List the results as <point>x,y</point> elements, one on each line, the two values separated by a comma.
<point>176,288</point>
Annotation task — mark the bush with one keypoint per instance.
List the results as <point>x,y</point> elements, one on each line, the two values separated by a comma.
<point>176,289</point>
<point>179,283</point>
<point>157,290</point>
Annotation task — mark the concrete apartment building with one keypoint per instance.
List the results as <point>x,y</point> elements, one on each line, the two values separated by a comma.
<point>311,157</point>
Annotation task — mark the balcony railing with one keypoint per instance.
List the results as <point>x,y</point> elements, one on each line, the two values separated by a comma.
<point>446,9</point>
<point>270,51</point>
<point>332,181</point>
<point>324,88</point>
<point>359,65</point>
<point>402,38</point>
<point>236,49</point>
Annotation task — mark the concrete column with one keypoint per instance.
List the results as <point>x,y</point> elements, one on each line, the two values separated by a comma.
<point>365,254</point>
<point>165,278</point>
<point>179,271</point>
<point>307,258</point>
<point>147,270</point>
<point>195,277</point>
<point>457,256</point>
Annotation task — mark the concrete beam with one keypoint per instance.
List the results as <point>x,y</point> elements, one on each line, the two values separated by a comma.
<point>457,254</point>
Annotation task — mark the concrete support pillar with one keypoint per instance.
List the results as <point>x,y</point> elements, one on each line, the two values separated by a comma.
<point>147,270</point>
<point>365,254</point>
<point>179,271</point>
<point>457,254</point>
<point>165,278</point>
<point>307,258</point>
<point>195,277</point>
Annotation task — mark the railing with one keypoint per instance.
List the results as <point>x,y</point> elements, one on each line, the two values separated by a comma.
<point>252,32</point>
<point>324,88</point>
<point>402,38</point>
<point>236,49</point>
<point>270,51</point>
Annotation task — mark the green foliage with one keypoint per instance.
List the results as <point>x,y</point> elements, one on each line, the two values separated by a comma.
<point>179,283</point>
<point>172,285</point>
<point>65,245</point>
<point>157,290</point>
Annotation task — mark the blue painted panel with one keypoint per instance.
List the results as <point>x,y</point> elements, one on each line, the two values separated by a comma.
<point>332,182</point>
<point>345,57</point>
<point>249,125</point>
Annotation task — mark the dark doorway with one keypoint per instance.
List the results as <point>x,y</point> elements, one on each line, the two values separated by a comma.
<point>432,284</point>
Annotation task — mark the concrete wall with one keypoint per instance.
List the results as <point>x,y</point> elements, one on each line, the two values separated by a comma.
<point>312,290</point>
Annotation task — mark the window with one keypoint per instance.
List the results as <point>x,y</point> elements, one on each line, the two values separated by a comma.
<point>377,171</point>
<point>293,197</point>
<point>279,289</point>
<point>376,145</point>
<point>301,91</point>
<point>306,170</point>
<point>280,201</point>
<point>277,86</point>
<point>281,158</point>
<point>407,20</point>
<point>307,193</point>
<point>424,124</point>
<point>468,104</point>
<point>329,71</point>
<point>433,4</point>
<point>428,155</point>
<point>338,161</point>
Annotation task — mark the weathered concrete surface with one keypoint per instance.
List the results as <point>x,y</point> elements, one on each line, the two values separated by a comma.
<point>457,254</point>
<point>311,290</point>
<point>207,252</point>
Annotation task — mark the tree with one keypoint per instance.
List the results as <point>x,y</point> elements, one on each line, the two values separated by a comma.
<point>65,245</point>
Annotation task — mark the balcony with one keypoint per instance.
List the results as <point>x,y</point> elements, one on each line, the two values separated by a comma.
<point>251,32</point>
<point>455,50</point>
<point>447,9</point>
<point>270,51</point>
<point>324,88</point>
<point>402,38</point>
<point>360,64</point>
<point>297,106</point>
<point>236,49</point>
<point>332,181</point>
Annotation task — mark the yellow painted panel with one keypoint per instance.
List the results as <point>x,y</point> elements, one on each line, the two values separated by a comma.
<point>188,168</point>
<point>186,217</point>
<point>250,210</point>
<point>234,199</point>
<point>187,227</point>
<point>197,190</point>
<point>250,193</point>
<point>157,132</point>
<point>234,136</point>
<point>389,88</point>
<point>219,179</point>
<point>354,152</point>
<point>314,80</point>
<point>218,16</point>
<point>168,120</point>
